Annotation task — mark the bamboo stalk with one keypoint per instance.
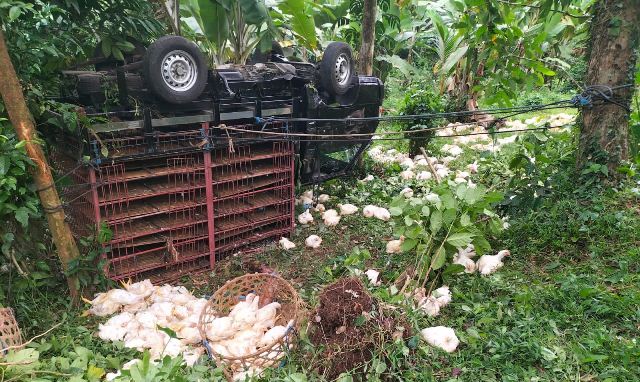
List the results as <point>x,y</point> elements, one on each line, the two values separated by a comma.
<point>22,122</point>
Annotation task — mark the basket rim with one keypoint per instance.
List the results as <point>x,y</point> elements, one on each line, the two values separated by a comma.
<point>266,348</point>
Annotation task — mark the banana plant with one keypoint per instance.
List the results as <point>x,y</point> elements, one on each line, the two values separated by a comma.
<point>230,30</point>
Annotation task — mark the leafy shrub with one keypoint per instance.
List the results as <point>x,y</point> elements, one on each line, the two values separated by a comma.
<point>421,101</point>
<point>18,201</point>
<point>449,218</point>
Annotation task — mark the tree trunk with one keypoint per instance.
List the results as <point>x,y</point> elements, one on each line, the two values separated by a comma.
<point>368,37</point>
<point>22,122</point>
<point>612,62</point>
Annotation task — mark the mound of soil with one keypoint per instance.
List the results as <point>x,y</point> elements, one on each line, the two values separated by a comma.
<point>348,327</point>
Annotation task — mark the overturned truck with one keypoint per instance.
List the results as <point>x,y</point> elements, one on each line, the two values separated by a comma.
<point>177,165</point>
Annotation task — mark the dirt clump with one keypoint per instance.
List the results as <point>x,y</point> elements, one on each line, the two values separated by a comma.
<point>348,326</point>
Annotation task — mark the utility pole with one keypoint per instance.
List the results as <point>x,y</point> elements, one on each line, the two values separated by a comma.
<point>22,122</point>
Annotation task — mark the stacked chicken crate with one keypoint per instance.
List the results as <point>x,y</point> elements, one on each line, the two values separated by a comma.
<point>173,201</point>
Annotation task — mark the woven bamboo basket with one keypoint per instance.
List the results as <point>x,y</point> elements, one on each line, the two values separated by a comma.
<point>270,288</point>
<point>10,335</point>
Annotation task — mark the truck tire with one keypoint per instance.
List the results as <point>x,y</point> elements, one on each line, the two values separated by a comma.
<point>337,69</point>
<point>175,70</point>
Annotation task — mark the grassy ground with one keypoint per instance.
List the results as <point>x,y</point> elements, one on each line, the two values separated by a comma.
<point>566,306</point>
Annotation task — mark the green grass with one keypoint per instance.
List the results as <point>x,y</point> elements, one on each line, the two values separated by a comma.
<point>565,307</point>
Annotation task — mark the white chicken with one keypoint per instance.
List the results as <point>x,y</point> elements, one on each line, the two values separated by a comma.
<point>347,209</point>
<point>394,246</point>
<point>442,173</point>
<point>442,295</point>
<point>373,276</point>
<point>287,244</point>
<point>331,220</point>
<point>423,175</point>
<point>319,208</point>
<point>367,178</point>
<point>330,212</point>
<point>487,264</point>
<point>267,312</point>
<point>111,333</point>
<point>468,264</point>
<point>219,329</point>
<point>192,356</point>
<point>432,198</point>
<point>323,198</point>
<point>407,175</point>
<point>305,217</point>
<point>430,306</point>
<point>407,163</point>
<point>442,337</point>
<point>313,241</point>
<point>464,256</point>
<point>369,211</point>
<point>143,288</point>
<point>462,174</point>
<point>382,214</point>
<point>189,335</point>
<point>473,167</point>
<point>407,192</point>
<point>272,335</point>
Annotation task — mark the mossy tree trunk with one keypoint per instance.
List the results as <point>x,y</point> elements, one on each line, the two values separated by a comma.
<point>22,122</point>
<point>615,31</point>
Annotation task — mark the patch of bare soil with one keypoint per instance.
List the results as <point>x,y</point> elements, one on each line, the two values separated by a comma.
<point>349,326</point>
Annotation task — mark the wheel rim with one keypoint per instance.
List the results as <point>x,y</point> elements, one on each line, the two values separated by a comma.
<point>179,70</point>
<point>343,70</point>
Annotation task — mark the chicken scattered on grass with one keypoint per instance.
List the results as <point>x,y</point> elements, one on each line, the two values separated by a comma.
<point>305,217</point>
<point>347,209</point>
<point>395,246</point>
<point>442,337</point>
<point>313,241</point>
<point>407,192</point>
<point>287,244</point>
<point>488,264</point>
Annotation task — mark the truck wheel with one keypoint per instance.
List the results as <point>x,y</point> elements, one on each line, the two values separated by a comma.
<point>337,69</point>
<point>175,69</point>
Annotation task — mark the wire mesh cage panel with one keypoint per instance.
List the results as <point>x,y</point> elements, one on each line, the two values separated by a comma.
<point>252,194</point>
<point>174,214</point>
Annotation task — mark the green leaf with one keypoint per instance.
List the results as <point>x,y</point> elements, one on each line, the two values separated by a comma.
<point>425,211</point>
<point>399,63</point>
<point>168,331</point>
<point>465,220</point>
<point>449,216</point>
<point>395,211</point>
<point>117,53</point>
<point>214,22</point>
<point>22,216</point>
<point>408,245</point>
<point>22,361</point>
<point>94,373</point>
<point>105,46</point>
<point>453,269</point>
<point>460,239</point>
<point>454,58</point>
<point>438,259</point>
<point>14,12</point>
<point>408,221</point>
<point>481,245</point>
<point>4,165</point>
<point>436,221</point>
<point>254,11</point>
<point>301,23</point>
